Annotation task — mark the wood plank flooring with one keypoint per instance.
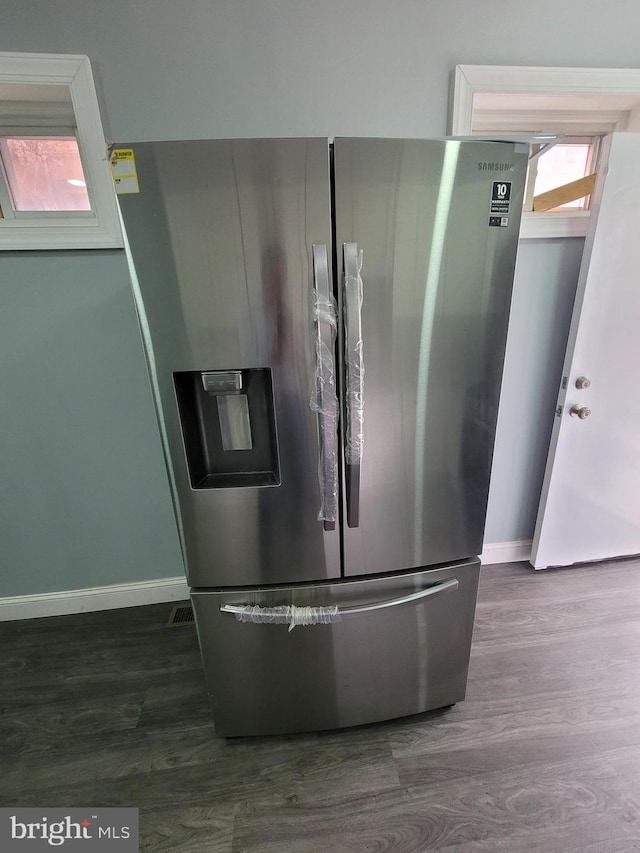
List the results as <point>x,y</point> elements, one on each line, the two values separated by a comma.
<point>543,756</point>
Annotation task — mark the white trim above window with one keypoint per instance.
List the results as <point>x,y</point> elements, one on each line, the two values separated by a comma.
<point>574,100</point>
<point>28,82</point>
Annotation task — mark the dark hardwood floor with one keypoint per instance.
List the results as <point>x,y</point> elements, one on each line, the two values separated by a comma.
<point>543,756</point>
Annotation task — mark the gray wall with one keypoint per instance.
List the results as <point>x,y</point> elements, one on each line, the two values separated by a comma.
<point>204,68</point>
<point>84,498</point>
<point>229,68</point>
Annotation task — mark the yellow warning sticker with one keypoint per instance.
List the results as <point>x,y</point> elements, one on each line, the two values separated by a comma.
<point>123,169</point>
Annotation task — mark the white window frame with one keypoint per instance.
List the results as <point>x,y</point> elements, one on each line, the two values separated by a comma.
<point>101,229</point>
<point>602,84</point>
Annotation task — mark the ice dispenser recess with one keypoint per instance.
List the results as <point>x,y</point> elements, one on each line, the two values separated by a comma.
<point>228,427</point>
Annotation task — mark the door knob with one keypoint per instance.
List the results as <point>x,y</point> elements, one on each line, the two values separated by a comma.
<point>578,411</point>
<point>582,382</point>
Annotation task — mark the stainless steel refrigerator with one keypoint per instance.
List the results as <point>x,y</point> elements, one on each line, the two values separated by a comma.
<point>325,324</point>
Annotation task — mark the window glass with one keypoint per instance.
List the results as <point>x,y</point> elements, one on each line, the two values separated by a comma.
<point>44,173</point>
<point>561,165</point>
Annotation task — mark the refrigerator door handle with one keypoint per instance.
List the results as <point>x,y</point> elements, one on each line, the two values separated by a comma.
<point>324,399</point>
<point>282,613</point>
<point>354,368</point>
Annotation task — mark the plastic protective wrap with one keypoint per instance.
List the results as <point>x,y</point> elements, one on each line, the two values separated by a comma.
<point>354,369</point>
<point>288,614</point>
<point>324,400</point>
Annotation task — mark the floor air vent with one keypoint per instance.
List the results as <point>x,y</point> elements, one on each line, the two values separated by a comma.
<point>182,614</point>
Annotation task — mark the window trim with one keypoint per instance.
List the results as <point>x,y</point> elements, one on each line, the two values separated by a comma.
<point>101,229</point>
<point>467,80</point>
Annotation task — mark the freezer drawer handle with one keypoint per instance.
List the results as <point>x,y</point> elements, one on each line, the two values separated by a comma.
<point>446,586</point>
<point>436,589</point>
<point>354,366</point>
<point>324,399</point>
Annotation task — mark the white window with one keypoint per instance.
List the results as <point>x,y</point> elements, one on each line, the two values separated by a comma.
<point>56,189</point>
<point>562,178</point>
<point>42,174</point>
<point>582,104</point>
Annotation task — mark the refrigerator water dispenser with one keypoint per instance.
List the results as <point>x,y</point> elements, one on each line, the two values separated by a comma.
<point>228,427</point>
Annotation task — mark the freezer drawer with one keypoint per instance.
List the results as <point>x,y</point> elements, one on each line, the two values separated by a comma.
<point>382,660</point>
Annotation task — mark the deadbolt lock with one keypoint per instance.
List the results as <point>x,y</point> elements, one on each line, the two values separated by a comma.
<point>582,382</point>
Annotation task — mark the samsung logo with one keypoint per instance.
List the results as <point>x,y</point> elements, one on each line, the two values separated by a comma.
<point>495,167</point>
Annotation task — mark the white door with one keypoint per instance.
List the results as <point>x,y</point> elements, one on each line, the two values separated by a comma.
<point>590,503</point>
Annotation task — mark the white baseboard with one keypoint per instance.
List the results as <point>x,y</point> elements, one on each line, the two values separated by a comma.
<point>96,598</point>
<point>169,589</point>
<point>506,552</point>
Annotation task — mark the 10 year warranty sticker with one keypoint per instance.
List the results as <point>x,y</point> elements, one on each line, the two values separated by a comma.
<point>500,203</point>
